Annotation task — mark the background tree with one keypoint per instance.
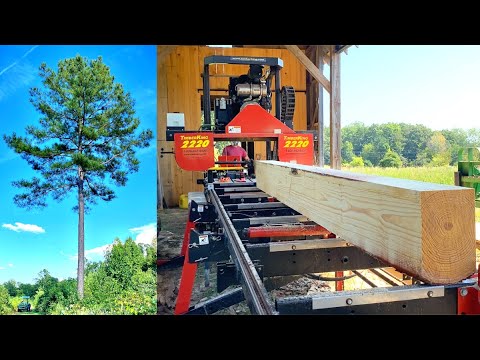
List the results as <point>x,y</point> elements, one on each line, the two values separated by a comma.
<point>357,161</point>
<point>437,151</point>
<point>347,152</point>
<point>47,284</point>
<point>473,137</point>
<point>457,138</point>
<point>326,145</point>
<point>415,140</point>
<point>11,286</point>
<point>27,289</point>
<point>5,306</point>
<point>87,131</point>
<point>354,133</point>
<point>124,283</point>
<point>54,293</point>
<point>391,159</point>
<point>369,153</point>
<point>123,260</point>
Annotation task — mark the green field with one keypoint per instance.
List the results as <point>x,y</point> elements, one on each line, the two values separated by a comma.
<point>439,175</point>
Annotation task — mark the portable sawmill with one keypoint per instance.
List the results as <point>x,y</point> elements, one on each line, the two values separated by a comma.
<point>257,242</point>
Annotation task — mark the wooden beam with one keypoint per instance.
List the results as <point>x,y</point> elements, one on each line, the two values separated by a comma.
<point>260,46</point>
<point>310,83</point>
<point>325,52</point>
<point>310,51</point>
<point>163,51</point>
<point>335,119</point>
<point>311,68</point>
<point>319,62</point>
<point>425,230</point>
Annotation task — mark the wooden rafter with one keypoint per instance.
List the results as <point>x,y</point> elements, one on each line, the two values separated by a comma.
<point>311,68</point>
<point>302,47</point>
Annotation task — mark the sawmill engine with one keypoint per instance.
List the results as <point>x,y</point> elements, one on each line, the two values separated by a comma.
<point>252,88</point>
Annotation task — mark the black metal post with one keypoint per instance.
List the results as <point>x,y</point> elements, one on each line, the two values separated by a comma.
<point>206,96</point>
<point>278,97</point>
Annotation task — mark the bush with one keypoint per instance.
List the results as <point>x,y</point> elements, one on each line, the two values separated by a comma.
<point>357,161</point>
<point>5,306</point>
<point>15,301</point>
<point>36,298</point>
<point>441,159</point>
<point>135,303</point>
<point>124,284</point>
<point>391,159</point>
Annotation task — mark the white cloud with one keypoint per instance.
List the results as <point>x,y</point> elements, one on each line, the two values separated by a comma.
<point>6,68</point>
<point>2,268</point>
<point>98,251</point>
<point>16,75</point>
<point>145,233</point>
<point>10,265</point>
<point>10,155</point>
<point>24,227</point>
<point>29,51</point>
<point>94,254</point>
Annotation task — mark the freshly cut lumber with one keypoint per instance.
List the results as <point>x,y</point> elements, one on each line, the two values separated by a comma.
<point>425,230</point>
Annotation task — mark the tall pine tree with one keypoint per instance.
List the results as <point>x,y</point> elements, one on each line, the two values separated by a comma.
<point>85,141</point>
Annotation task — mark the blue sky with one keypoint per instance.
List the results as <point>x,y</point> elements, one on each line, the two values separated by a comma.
<point>33,240</point>
<point>438,86</point>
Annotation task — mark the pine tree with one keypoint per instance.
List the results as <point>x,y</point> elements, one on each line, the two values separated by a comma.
<point>85,141</point>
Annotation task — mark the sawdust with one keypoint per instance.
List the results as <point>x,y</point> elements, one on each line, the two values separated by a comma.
<point>302,286</point>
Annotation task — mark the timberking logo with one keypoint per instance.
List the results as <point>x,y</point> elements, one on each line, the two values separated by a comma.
<point>297,137</point>
<point>193,137</point>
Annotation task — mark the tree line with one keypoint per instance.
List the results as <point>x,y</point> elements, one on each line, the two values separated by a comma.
<point>400,144</point>
<point>123,283</point>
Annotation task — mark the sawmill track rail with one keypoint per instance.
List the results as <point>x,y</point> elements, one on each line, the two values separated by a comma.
<point>255,292</point>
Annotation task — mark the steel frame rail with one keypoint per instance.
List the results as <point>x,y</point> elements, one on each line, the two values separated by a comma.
<point>254,290</point>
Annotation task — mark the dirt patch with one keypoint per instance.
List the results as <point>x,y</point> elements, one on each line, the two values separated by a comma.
<point>171,223</point>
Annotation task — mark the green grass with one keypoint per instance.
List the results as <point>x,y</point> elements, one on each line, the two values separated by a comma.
<point>439,175</point>
<point>30,313</point>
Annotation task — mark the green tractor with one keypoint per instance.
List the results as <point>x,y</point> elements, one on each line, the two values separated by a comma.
<point>468,174</point>
<point>24,305</point>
